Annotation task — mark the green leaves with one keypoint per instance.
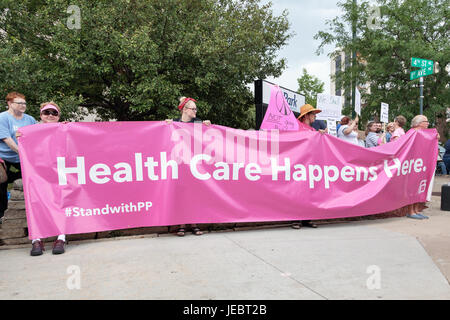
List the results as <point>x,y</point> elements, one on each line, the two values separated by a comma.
<point>310,86</point>
<point>409,28</point>
<point>131,60</point>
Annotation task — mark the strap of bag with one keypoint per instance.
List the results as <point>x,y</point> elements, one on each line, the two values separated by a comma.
<point>3,175</point>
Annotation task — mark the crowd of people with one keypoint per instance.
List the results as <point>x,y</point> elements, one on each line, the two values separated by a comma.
<point>15,117</point>
<point>375,136</point>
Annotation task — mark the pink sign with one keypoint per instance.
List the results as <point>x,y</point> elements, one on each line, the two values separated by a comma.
<point>90,177</point>
<point>279,115</point>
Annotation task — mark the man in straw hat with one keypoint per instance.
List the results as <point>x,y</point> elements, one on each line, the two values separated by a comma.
<point>306,118</point>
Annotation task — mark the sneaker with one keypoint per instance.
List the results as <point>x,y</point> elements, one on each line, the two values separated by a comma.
<point>415,216</point>
<point>423,216</point>
<point>58,247</point>
<point>296,226</point>
<point>37,249</point>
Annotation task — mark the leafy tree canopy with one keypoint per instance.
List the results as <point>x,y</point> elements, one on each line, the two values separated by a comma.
<point>310,86</point>
<point>133,59</point>
<point>385,46</point>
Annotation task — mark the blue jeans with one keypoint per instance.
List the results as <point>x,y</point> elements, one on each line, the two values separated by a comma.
<point>441,164</point>
<point>447,163</point>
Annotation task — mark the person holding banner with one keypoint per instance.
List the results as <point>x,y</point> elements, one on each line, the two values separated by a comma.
<point>348,131</point>
<point>50,113</point>
<point>306,118</point>
<point>320,125</point>
<point>11,120</point>
<point>188,110</point>
<point>399,123</point>
<point>420,122</point>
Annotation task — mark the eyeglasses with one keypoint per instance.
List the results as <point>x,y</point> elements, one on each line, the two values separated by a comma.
<point>193,109</point>
<point>22,103</point>
<point>50,112</point>
<point>425,121</point>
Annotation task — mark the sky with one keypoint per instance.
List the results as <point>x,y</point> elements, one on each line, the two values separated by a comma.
<point>306,17</point>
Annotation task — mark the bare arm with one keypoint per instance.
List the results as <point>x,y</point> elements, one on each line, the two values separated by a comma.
<point>12,144</point>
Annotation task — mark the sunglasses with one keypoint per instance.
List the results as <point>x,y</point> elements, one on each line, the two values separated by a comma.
<point>50,112</point>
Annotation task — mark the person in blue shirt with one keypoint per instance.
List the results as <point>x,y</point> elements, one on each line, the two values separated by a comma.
<point>320,125</point>
<point>11,120</point>
<point>446,156</point>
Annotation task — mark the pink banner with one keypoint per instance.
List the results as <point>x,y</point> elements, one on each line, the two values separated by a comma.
<point>90,177</point>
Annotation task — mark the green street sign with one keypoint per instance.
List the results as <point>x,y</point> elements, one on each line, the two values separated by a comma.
<point>426,68</point>
<point>421,63</point>
<point>421,73</point>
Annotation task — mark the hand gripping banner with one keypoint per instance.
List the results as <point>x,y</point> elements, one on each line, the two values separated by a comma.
<point>91,177</point>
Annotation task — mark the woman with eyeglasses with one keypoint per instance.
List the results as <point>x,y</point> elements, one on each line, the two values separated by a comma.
<point>420,122</point>
<point>50,113</point>
<point>11,120</point>
<point>188,114</point>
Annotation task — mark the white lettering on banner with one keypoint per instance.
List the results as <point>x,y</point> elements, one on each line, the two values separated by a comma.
<point>313,174</point>
<point>403,168</point>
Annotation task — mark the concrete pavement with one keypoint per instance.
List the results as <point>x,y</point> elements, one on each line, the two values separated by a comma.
<point>396,258</point>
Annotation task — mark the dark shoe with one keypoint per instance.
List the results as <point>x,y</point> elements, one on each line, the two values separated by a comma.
<point>58,247</point>
<point>180,232</point>
<point>309,224</point>
<point>296,226</point>
<point>37,249</point>
<point>196,231</point>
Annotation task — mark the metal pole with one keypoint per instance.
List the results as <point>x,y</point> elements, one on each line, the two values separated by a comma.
<point>421,95</point>
<point>353,58</point>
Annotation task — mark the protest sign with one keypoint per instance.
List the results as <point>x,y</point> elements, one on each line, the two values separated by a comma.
<point>279,114</point>
<point>331,126</point>
<point>357,101</point>
<point>384,113</point>
<point>331,107</point>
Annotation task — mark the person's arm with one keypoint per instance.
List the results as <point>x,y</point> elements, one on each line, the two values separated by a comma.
<point>11,144</point>
<point>350,128</point>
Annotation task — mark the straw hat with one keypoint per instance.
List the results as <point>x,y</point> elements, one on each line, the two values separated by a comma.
<point>307,108</point>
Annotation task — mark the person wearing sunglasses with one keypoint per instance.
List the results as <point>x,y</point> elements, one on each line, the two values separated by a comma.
<point>11,120</point>
<point>188,110</point>
<point>50,113</point>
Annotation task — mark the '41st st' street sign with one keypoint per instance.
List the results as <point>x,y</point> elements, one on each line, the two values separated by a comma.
<point>426,68</point>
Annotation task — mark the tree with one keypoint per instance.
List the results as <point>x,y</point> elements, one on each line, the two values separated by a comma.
<point>310,86</point>
<point>132,59</point>
<point>407,28</point>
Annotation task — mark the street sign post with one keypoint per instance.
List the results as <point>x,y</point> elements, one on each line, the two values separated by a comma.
<point>426,68</point>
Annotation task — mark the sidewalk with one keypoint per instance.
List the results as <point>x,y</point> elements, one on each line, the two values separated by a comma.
<point>408,259</point>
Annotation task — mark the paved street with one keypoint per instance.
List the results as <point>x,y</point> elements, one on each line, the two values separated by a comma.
<point>396,258</point>
<point>331,262</point>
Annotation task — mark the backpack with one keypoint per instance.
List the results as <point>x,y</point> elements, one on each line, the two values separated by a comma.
<point>3,175</point>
